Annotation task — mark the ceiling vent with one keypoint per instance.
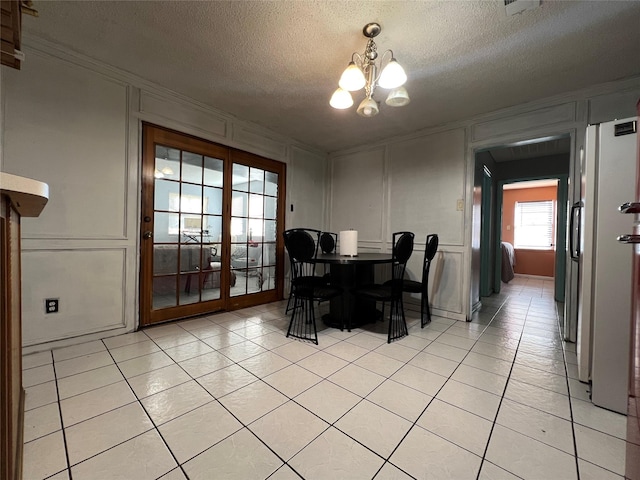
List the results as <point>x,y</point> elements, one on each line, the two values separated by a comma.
<point>513,7</point>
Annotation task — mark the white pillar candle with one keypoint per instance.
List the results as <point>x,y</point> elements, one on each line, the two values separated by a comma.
<point>349,243</point>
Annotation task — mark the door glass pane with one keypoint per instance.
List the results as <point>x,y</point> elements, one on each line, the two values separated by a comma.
<point>190,228</point>
<point>269,257</point>
<point>164,192</point>
<point>213,172</point>
<point>256,205</point>
<point>269,278</point>
<point>270,207</point>
<point>238,229</point>
<point>165,259</point>
<point>191,198</point>
<point>271,184</point>
<point>165,227</point>
<point>191,168</point>
<point>255,229</point>
<point>270,230</point>
<point>164,291</point>
<point>239,204</point>
<point>256,184</point>
<point>212,230</point>
<point>167,163</point>
<point>212,200</point>
<point>240,179</point>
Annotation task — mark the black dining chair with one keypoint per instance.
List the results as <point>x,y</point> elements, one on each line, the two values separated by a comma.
<point>327,244</point>
<point>391,291</point>
<point>412,286</point>
<point>306,287</point>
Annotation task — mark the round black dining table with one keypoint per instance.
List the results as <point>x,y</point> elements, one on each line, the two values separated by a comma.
<point>347,310</point>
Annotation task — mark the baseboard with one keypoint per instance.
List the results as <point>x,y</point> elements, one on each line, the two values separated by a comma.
<point>536,277</point>
<point>476,306</point>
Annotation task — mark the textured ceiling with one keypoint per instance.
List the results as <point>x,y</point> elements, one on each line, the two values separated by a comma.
<point>276,63</point>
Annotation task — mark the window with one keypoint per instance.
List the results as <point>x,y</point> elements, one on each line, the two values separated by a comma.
<point>533,225</point>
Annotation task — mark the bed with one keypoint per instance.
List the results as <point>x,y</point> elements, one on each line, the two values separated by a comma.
<point>508,262</point>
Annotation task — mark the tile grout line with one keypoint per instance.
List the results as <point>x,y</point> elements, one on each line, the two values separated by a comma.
<point>566,372</point>
<point>62,426</point>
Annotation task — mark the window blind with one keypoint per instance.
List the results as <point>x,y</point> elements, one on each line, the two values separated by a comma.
<point>533,224</point>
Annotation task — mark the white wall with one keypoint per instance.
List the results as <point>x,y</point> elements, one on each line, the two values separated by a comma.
<point>415,182</point>
<point>76,125</point>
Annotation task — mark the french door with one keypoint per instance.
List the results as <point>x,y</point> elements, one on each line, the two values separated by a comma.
<point>211,227</point>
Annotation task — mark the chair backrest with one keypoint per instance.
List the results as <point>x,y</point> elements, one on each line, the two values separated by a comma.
<point>328,242</point>
<point>302,247</point>
<point>430,249</point>
<point>402,250</point>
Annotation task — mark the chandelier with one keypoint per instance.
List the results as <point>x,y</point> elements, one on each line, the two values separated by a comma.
<point>363,71</point>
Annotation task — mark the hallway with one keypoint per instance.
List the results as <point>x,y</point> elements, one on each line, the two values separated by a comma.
<point>227,396</point>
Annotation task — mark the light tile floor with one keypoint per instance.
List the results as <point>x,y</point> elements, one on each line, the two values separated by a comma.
<point>229,397</point>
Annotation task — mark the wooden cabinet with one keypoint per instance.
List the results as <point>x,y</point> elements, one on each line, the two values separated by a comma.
<point>18,197</point>
<point>11,32</point>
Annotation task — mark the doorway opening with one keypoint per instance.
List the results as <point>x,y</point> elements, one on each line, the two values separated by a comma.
<point>528,232</point>
<point>540,160</point>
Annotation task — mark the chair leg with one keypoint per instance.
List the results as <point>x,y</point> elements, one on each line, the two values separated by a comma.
<point>289,307</point>
<point>303,320</point>
<point>288,304</point>
<point>425,311</point>
<point>397,321</point>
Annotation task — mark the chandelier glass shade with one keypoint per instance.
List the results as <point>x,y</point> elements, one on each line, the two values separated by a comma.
<point>364,72</point>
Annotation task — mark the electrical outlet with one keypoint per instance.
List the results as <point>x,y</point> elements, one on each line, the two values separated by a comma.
<point>51,305</point>
<point>460,205</point>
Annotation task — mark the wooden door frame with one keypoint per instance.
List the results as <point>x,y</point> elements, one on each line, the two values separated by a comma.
<point>154,134</point>
<point>486,215</point>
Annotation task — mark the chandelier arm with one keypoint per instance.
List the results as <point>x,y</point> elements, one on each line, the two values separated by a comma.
<point>357,59</point>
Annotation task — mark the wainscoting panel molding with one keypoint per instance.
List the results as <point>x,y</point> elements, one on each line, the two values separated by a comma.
<point>357,200</point>
<point>89,283</point>
<point>179,112</point>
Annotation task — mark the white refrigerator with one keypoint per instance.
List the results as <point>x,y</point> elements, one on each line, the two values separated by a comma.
<point>604,305</point>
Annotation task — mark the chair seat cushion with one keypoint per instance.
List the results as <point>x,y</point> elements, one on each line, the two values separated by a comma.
<point>309,281</point>
<point>411,286</point>
<point>381,293</point>
<point>317,292</point>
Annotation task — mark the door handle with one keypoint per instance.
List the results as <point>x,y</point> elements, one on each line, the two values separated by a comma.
<point>574,249</point>
<point>147,235</point>
<point>629,238</point>
<point>629,207</point>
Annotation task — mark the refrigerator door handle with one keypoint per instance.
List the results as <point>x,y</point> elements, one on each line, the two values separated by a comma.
<point>629,238</point>
<point>629,207</point>
<point>574,249</point>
